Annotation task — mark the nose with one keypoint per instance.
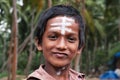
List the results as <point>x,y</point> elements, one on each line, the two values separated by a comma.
<point>62,44</point>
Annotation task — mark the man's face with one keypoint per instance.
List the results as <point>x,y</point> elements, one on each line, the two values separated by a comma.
<point>60,41</point>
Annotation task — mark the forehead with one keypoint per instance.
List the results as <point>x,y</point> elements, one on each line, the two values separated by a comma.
<point>62,23</point>
<point>65,18</point>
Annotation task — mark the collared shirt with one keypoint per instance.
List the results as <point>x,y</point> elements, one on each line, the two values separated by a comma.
<point>41,74</point>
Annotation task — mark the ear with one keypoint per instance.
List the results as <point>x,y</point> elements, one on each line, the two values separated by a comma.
<point>80,50</point>
<point>38,46</point>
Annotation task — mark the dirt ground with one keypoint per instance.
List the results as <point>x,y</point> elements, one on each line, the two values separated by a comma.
<point>92,79</point>
<point>20,77</point>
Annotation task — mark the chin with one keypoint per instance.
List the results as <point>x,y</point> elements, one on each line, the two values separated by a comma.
<point>61,64</point>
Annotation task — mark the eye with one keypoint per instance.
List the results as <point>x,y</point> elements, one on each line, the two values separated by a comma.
<point>53,37</point>
<point>71,39</point>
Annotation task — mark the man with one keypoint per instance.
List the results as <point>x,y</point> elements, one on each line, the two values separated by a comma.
<point>60,37</point>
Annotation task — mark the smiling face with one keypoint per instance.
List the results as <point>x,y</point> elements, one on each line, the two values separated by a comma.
<point>60,41</point>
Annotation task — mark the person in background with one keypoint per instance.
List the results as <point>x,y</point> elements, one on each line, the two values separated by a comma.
<point>114,73</point>
<point>60,36</point>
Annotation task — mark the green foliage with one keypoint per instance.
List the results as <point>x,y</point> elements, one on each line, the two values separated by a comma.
<point>22,60</point>
<point>101,19</point>
<point>115,47</point>
<point>101,58</point>
<point>3,74</point>
<point>37,61</point>
<point>102,40</point>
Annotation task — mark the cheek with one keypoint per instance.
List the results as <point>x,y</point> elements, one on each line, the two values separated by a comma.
<point>47,45</point>
<point>74,50</point>
<point>74,47</point>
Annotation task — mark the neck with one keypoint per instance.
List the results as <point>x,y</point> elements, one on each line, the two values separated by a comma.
<point>59,73</point>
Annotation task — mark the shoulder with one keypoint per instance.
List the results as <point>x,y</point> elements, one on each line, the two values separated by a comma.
<point>36,75</point>
<point>77,75</point>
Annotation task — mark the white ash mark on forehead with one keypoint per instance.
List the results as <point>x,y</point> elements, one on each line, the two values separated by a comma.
<point>63,26</point>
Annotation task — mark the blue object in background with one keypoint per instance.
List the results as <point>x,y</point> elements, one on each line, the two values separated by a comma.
<point>117,55</point>
<point>109,75</point>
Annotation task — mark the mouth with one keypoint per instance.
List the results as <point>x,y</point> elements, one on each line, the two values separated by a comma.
<point>60,55</point>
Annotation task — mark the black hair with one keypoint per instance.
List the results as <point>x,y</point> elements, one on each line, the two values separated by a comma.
<point>60,10</point>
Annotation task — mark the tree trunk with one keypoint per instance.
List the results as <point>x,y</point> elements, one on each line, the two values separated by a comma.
<point>13,45</point>
<point>49,3</point>
<point>20,49</point>
<point>15,41</point>
<point>77,59</point>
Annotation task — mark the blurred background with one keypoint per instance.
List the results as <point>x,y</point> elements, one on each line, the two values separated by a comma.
<point>18,20</point>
